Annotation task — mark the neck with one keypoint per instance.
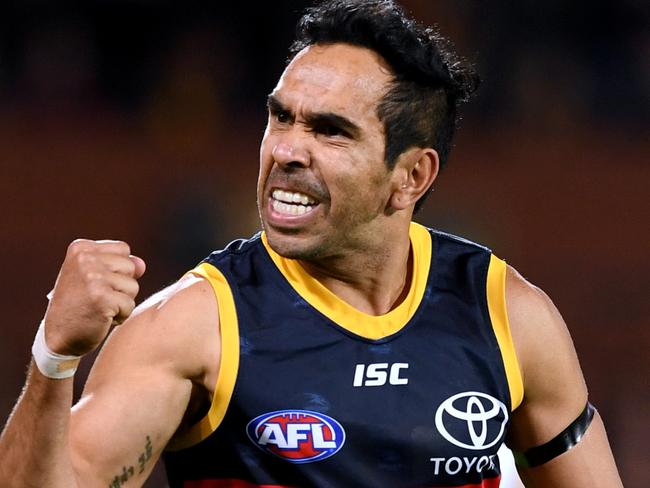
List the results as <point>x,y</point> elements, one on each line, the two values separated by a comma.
<point>374,280</point>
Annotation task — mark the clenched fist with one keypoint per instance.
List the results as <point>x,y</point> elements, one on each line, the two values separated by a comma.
<point>95,289</point>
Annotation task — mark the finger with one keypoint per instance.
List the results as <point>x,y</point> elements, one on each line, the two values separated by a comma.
<point>124,307</point>
<point>114,247</point>
<point>128,265</point>
<point>84,246</point>
<point>123,284</point>
<point>117,263</point>
<point>140,266</point>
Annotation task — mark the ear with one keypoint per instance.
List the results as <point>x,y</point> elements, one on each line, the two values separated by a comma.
<point>415,171</point>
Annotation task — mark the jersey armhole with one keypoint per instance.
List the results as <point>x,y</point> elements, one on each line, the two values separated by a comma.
<point>496,298</point>
<point>228,363</point>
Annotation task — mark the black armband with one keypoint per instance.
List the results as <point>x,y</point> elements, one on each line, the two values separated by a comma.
<point>561,443</point>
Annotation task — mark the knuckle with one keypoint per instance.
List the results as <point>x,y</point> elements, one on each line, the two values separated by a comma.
<point>93,278</point>
<point>125,248</point>
<point>96,293</point>
<point>77,246</point>
<point>85,257</point>
<point>120,247</point>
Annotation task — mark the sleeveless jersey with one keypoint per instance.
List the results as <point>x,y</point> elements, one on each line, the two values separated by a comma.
<point>314,393</point>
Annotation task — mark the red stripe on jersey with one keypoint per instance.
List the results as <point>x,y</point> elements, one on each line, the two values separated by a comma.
<point>489,483</point>
<point>227,484</point>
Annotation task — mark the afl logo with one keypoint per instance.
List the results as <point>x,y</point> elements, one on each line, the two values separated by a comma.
<point>464,420</point>
<point>297,436</point>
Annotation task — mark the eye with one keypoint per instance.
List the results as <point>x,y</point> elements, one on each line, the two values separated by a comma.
<point>330,130</point>
<point>283,117</point>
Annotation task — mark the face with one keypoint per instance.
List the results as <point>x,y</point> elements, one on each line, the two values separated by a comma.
<point>324,186</point>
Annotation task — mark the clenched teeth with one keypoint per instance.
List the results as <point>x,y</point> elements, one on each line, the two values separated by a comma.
<point>290,208</point>
<point>292,197</point>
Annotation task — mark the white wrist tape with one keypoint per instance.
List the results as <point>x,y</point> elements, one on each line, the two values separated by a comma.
<point>51,364</point>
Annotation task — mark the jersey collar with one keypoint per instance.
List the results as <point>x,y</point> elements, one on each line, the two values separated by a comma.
<point>345,315</point>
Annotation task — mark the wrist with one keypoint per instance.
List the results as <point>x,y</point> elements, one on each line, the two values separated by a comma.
<point>49,363</point>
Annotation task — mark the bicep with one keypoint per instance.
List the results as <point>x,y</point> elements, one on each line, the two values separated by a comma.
<point>554,389</point>
<point>138,392</point>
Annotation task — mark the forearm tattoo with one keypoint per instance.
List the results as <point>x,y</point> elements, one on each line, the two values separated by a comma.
<point>129,471</point>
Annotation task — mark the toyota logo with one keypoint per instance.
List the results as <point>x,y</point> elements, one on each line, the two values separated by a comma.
<point>467,415</point>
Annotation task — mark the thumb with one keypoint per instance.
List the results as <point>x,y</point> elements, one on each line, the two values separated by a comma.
<point>140,266</point>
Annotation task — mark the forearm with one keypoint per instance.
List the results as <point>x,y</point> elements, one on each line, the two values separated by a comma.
<point>35,441</point>
<point>95,288</point>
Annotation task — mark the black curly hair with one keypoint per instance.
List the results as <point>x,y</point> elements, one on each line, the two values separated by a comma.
<point>420,109</point>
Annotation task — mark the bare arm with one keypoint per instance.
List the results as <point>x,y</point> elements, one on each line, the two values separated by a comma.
<point>35,452</point>
<point>141,384</point>
<point>136,394</point>
<point>554,394</point>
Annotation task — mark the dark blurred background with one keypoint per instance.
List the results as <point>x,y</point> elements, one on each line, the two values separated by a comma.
<point>140,120</point>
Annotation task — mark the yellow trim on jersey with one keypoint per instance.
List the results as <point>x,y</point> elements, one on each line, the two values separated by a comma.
<point>344,314</point>
<point>228,364</point>
<point>496,297</point>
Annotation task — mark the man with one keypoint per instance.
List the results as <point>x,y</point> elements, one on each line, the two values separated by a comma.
<point>345,346</point>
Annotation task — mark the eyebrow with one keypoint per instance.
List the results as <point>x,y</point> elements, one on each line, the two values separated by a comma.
<point>314,119</point>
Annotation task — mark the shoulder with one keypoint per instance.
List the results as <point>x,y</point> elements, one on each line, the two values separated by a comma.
<point>440,237</point>
<point>535,322</point>
<point>236,248</point>
<point>532,314</point>
<point>177,327</point>
<point>181,297</point>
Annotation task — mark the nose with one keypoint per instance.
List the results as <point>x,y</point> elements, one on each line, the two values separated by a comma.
<point>288,153</point>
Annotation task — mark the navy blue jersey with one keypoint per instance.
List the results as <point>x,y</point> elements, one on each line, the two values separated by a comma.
<point>314,393</point>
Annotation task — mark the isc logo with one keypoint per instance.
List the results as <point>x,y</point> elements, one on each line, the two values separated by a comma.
<point>376,374</point>
<point>297,436</point>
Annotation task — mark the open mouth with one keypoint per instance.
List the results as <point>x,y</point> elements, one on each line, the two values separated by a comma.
<point>292,202</point>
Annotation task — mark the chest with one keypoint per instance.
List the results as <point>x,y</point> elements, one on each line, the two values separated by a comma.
<point>430,403</point>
